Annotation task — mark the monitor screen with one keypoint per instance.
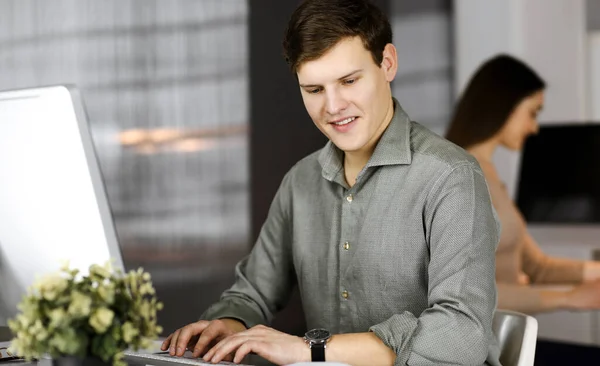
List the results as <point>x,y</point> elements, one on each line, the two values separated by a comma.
<point>559,179</point>
<point>53,205</point>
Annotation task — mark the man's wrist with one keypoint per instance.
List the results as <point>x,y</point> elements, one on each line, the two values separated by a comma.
<point>328,354</point>
<point>316,340</point>
<point>234,324</point>
<point>306,352</point>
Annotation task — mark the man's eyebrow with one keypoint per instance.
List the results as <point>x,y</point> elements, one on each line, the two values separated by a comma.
<point>341,78</point>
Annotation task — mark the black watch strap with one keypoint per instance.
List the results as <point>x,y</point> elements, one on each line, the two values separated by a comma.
<point>317,351</point>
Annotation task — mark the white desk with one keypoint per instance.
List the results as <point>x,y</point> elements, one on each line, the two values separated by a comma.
<point>576,242</point>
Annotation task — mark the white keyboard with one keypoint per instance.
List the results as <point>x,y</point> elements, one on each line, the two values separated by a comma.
<point>164,359</point>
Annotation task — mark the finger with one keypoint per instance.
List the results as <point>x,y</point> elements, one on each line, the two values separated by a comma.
<point>174,338</point>
<point>214,349</point>
<point>229,345</point>
<point>216,330</point>
<point>225,347</point>
<point>202,345</point>
<point>166,343</point>
<point>233,340</point>
<point>209,354</point>
<point>186,335</point>
<point>192,342</point>
<point>244,350</point>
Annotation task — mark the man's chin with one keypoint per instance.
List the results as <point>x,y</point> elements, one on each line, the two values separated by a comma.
<point>348,147</point>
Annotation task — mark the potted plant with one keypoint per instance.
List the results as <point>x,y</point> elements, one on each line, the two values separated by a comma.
<point>86,319</point>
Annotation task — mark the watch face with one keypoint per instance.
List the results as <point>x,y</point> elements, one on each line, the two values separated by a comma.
<point>318,335</point>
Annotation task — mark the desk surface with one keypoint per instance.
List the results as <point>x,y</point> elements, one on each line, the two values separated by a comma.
<point>250,359</point>
<point>583,236</point>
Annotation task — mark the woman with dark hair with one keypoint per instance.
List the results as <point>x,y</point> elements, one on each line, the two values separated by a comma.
<point>499,107</point>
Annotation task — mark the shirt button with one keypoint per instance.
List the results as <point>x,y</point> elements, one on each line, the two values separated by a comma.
<point>345,294</point>
<point>349,198</point>
<point>346,245</point>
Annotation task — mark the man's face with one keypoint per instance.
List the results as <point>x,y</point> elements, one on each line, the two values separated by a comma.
<point>347,95</point>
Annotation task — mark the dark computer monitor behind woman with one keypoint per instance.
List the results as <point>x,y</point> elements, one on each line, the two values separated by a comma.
<point>559,180</point>
<point>53,204</point>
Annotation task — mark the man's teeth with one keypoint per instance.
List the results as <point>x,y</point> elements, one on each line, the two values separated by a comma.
<point>345,122</point>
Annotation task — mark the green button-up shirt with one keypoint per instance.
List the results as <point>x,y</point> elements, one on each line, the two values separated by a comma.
<point>407,252</point>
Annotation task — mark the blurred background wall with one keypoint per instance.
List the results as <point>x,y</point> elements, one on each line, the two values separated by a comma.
<point>166,88</point>
<point>423,37</point>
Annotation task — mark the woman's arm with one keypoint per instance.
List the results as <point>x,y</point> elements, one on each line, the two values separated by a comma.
<point>529,299</point>
<point>532,299</point>
<point>544,269</point>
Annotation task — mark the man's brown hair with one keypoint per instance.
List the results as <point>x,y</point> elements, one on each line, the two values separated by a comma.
<point>318,25</point>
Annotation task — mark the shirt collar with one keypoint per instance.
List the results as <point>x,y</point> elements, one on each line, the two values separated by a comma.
<point>393,147</point>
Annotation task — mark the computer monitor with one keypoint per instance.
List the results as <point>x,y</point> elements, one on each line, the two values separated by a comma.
<point>559,180</point>
<point>53,204</point>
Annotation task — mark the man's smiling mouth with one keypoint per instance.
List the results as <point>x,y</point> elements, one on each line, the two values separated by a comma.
<point>344,121</point>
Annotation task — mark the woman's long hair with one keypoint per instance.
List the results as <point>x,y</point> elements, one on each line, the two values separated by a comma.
<point>498,86</point>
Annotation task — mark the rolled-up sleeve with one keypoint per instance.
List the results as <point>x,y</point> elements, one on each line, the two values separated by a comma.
<point>265,278</point>
<point>462,232</point>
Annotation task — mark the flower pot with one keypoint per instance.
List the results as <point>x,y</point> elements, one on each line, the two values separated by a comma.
<point>76,361</point>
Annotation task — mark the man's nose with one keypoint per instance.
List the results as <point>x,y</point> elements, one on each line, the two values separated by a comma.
<point>335,102</point>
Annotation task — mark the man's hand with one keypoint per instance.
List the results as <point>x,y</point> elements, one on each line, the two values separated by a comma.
<point>277,347</point>
<point>200,336</point>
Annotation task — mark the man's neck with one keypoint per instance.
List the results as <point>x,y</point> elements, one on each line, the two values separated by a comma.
<point>355,161</point>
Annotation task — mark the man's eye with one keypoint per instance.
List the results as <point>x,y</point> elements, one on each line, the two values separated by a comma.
<point>349,81</point>
<point>314,91</point>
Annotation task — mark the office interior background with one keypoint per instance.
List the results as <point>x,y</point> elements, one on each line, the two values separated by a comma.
<point>196,118</point>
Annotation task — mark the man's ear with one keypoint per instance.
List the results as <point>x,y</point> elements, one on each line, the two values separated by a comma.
<point>389,62</point>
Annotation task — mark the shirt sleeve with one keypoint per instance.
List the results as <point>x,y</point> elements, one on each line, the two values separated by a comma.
<point>265,278</point>
<point>462,231</point>
<point>543,269</point>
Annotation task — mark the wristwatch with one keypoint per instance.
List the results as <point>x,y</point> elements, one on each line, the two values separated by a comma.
<point>316,339</point>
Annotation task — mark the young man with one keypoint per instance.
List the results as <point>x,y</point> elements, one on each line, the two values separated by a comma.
<point>388,230</point>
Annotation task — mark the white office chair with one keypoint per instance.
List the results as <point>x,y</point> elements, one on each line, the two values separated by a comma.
<point>517,335</point>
